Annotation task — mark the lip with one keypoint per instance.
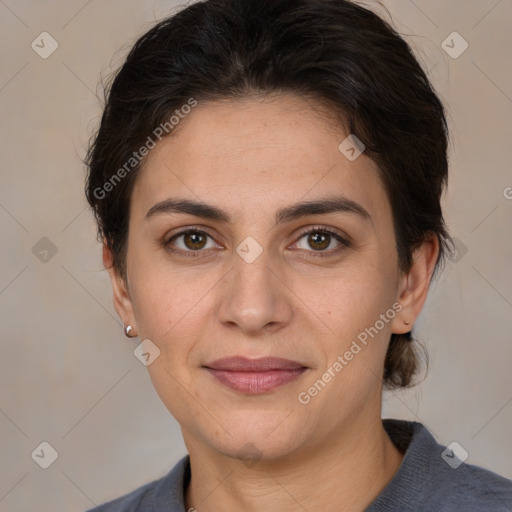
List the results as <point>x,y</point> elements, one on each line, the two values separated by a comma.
<point>261,364</point>
<point>254,376</point>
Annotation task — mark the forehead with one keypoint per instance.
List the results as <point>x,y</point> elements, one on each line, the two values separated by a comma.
<point>280,150</point>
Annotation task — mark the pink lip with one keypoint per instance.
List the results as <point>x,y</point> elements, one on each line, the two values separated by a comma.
<point>254,376</point>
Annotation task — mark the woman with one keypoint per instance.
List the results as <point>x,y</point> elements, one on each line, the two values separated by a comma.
<point>267,180</point>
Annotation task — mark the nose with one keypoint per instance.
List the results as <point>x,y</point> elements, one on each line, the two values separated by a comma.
<point>255,298</point>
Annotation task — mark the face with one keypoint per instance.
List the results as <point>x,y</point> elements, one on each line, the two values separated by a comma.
<point>263,273</point>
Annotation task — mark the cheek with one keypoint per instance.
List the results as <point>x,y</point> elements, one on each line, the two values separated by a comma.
<point>169,304</point>
<point>355,294</point>
<point>351,306</point>
<point>167,312</point>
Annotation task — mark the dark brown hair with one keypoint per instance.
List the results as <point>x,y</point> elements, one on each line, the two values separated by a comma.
<point>338,52</point>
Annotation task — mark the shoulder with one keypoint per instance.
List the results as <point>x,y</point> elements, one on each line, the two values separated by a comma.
<point>472,487</point>
<point>433,477</point>
<point>138,500</point>
<point>162,495</point>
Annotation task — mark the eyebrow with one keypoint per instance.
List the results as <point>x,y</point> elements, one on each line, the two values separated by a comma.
<point>337,204</point>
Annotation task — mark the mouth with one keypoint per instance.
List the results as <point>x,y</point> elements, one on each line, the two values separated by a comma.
<point>254,376</point>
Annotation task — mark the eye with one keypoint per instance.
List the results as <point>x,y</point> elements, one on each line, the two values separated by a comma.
<point>190,241</point>
<point>193,242</point>
<point>320,239</point>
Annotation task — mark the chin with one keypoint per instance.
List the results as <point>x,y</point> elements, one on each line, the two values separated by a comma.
<point>250,449</point>
<point>257,436</point>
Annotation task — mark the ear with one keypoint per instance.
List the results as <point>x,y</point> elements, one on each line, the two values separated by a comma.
<point>122,301</point>
<point>413,286</point>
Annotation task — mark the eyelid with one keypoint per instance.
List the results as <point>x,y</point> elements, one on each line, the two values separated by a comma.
<point>326,229</point>
<point>187,229</point>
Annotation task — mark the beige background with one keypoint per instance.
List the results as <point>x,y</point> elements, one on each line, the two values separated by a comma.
<point>67,375</point>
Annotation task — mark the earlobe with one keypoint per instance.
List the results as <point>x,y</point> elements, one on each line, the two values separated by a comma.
<point>414,285</point>
<point>121,295</point>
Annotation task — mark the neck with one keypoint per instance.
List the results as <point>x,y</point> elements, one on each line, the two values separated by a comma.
<point>346,474</point>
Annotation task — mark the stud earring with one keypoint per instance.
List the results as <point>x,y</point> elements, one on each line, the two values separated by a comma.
<point>128,331</point>
<point>406,323</point>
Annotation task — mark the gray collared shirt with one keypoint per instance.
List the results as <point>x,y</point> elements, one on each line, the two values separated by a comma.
<point>430,479</point>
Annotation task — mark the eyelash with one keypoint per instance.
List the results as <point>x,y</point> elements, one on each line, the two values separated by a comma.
<point>344,243</point>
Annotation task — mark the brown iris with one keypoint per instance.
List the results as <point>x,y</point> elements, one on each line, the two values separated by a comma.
<point>318,240</point>
<point>194,240</point>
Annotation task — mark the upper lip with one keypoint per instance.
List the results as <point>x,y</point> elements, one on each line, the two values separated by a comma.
<point>244,364</point>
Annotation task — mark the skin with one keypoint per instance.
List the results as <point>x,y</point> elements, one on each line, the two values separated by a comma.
<point>252,158</point>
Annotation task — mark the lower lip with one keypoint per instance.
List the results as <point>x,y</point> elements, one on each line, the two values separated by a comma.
<point>256,382</point>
